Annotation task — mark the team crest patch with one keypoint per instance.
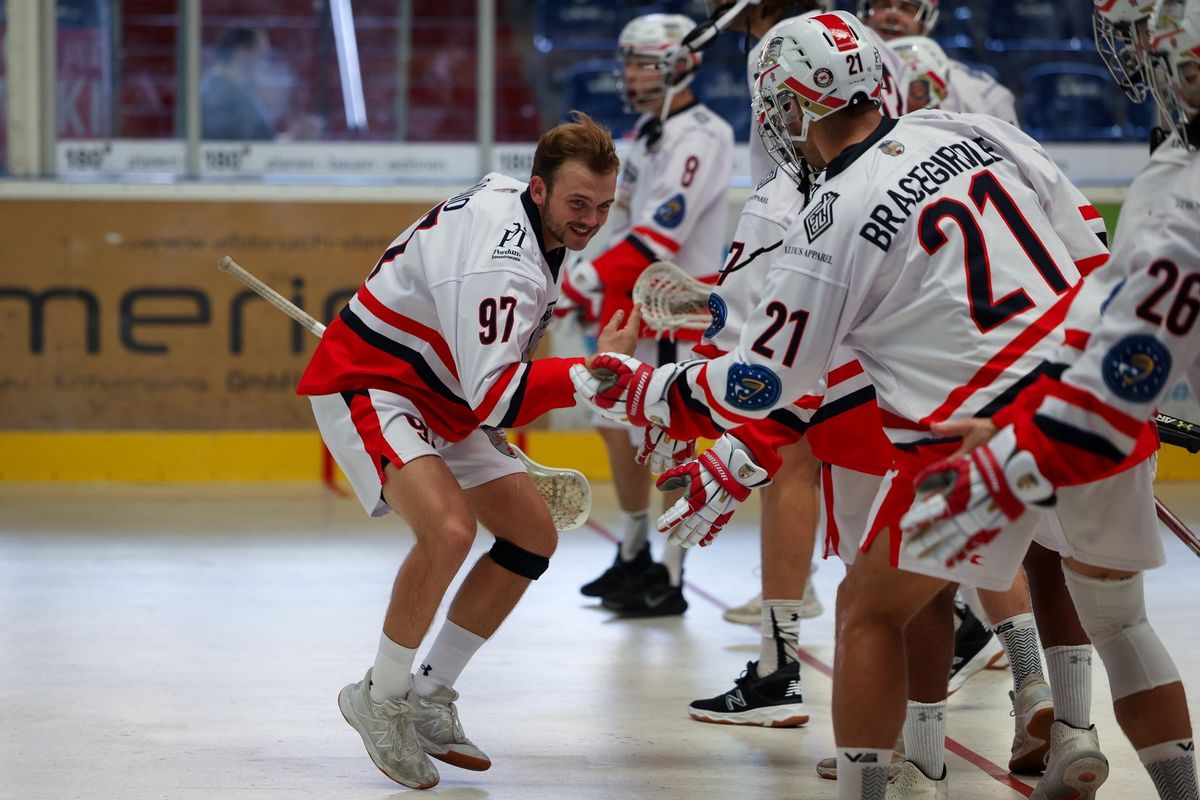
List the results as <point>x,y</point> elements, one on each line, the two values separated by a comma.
<point>670,213</point>
<point>720,313</point>
<point>1136,368</point>
<point>823,77</point>
<point>891,147</point>
<point>821,217</point>
<point>752,387</point>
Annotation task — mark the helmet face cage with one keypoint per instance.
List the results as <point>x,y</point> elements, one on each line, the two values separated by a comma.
<point>1173,51</point>
<point>656,41</point>
<point>1121,39</point>
<point>773,112</point>
<point>927,11</point>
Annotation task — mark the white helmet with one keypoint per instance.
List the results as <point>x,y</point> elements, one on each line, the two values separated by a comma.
<point>811,67</point>
<point>1120,29</point>
<point>1175,64</point>
<point>927,11</point>
<point>658,40</point>
<point>927,64</point>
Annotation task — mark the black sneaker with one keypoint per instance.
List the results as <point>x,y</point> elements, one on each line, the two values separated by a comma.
<point>621,575</point>
<point>652,596</point>
<point>975,647</point>
<point>773,701</point>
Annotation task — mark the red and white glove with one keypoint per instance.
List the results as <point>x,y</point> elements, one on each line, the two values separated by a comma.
<point>659,452</point>
<point>582,292</point>
<point>716,483</point>
<point>964,502</point>
<point>623,389</point>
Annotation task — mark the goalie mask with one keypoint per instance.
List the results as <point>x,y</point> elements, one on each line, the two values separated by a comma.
<point>907,17</point>
<point>1174,61</point>
<point>811,67</point>
<point>929,70</point>
<point>1122,39</point>
<point>654,64</point>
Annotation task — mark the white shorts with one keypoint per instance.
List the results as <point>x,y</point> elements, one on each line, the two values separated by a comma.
<point>849,495</point>
<point>649,351</point>
<point>367,430</point>
<point>1110,523</point>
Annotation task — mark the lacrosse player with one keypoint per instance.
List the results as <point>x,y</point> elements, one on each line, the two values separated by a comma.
<point>412,385</point>
<point>1092,422</point>
<point>890,259</point>
<point>672,197</point>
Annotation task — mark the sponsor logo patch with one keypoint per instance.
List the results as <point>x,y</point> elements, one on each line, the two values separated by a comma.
<point>720,313</point>
<point>670,213</point>
<point>1136,368</point>
<point>891,147</point>
<point>752,387</point>
<point>821,217</point>
<point>823,77</point>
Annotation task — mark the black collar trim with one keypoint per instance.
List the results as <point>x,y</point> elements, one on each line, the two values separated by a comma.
<point>553,257</point>
<point>848,156</point>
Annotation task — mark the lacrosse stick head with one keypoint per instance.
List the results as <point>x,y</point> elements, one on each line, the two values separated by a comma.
<point>671,299</point>
<point>567,493</point>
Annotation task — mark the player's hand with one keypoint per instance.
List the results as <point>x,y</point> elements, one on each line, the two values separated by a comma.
<point>624,390</point>
<point>716,483</point>
<point>620,338</point>
<point>659,452</point>
<point>582,291</point>
<point>963,502</point>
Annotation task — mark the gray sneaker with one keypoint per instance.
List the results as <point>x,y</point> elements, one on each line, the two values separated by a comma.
<point>387,732</point>
<point>1075,767</point>
<point>435,718</point>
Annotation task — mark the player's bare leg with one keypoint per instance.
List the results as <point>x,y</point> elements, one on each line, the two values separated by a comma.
<point>929,649</point>
<point>770,688</point>
<point>875,603</point>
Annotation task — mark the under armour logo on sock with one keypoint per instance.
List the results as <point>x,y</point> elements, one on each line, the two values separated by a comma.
<point>425,669</point>
<point>1186,747</point>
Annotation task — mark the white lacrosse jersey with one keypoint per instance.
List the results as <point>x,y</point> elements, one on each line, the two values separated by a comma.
<point>450,315</point>
<point>942,252</point>
<point>893,91</point>
<point>975,92</point>
<point>1146,339</point>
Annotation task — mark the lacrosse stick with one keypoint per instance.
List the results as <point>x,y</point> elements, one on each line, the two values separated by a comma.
<point>1179,432</point>
<point>671,299</point>
<point>1177,526</point>
<point>566,492</point>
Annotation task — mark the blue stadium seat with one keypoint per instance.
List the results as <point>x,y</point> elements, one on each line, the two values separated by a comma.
<point>955,29</point>
<point>579,25</point>
<point>1139,118</point>
<point>591,86</point>
<point>1070,101</point>
<point>1032,25</point>
<point>722,87</point>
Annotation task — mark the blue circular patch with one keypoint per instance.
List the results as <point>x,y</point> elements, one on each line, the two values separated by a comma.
<point>720,313</point>
<point>752,387</point>
<point>1136,368</point>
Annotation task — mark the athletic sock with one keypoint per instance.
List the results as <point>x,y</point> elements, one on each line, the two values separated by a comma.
<point>925,736</point>
<point>1019,636</point>
<point>862,773</point>
<point>672,559</point>
<point>1069,669</point>
<point>392,674</point>
<point>451,650</point>
<point>1172,767</point>
<point>635,528</point>
<point>780,640</point>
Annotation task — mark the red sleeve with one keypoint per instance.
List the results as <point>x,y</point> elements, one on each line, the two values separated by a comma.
<point>619,268</point>
<point>547,386</point>
<point>765,439</point>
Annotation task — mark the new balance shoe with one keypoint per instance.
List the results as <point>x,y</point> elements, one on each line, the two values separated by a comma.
<point>435,718</point>
<point>621,576</point>
<point>387,732</point>
<point>773,701</point>
<point>1075,767</point>
<point>975,648</point>
<point>653,596</point>
<point>1033,713</point>
<point>911,783</point>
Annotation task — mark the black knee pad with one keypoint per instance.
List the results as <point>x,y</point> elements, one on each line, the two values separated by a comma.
<point>518,560</point>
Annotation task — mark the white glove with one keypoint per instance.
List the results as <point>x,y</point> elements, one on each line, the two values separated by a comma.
<point>716,484</point>
<point>582,291</point>
<point>659,452</point>
<point>964,502</point>
<point>623,389</point>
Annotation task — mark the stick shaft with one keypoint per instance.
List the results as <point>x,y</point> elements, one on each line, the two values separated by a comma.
<point>273,297</point>
<point>1177,526</point>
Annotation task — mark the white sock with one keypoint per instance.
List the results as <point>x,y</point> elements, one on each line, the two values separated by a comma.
<point>451,650</point>
<point>925,736</point>
<point>1019,636</point>
<point>780,628</point>
<point>862,773</point>
<point>635,527</point>
<point>672,559</point>
<point>1069,669</point>
<point>392,674</point>
<point>1172,767</point>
